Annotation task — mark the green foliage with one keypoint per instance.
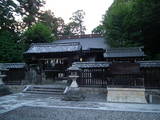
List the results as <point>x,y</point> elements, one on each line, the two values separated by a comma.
<point>7,19</point>
<point>134,23</point>
<point>71,29</point>
<point>38,33</point>
<point>98,30</point>
<point>30,10</point>
<point>116,22</point>
<point>10,50</point>
<point>48,19</point>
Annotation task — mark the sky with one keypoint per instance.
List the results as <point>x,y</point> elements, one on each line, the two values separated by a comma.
<point>94,10</point>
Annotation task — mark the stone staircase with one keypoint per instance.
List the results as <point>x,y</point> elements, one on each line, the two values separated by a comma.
<point>45,89</point>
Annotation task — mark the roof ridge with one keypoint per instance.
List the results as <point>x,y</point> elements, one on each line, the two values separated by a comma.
<point>52,44</point>
<point>81,36</point>
<point>124,49</point>
<point>117,48</point>
<point>91,62</point>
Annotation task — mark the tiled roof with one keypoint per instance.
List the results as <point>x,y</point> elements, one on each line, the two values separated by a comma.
<point>2,67</point>
<point>54,47</point>
<point>91,64</point>
<point>12,65</point>
<point>124,52</point>
<point>87,43</point>
<point>154,63</point>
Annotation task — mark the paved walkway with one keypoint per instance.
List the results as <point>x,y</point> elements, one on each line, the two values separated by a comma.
<point>12,104</point>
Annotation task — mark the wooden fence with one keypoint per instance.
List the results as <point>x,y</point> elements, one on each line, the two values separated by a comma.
<point>102,78</point>
<point>151,77</point>
<point>126,80</point>
<point>95,77</point>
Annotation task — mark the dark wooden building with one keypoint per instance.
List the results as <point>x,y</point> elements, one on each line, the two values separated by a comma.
<point>125,74</point>
<point>151,72</point>
<point>101,65</point>
<point>49,61</point>
<point>15,73</point>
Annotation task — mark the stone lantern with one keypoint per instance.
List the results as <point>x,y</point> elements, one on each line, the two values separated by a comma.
<point>3,89</point>
<point>74,75</point>
<point>73,93</point>
<point>1,75</point>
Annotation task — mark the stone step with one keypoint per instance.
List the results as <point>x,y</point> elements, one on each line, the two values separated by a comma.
<point>49,86</point>
<point>42,92</point>
<point>46,90</point>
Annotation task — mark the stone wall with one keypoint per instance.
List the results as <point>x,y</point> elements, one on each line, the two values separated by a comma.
<point>88,90</point>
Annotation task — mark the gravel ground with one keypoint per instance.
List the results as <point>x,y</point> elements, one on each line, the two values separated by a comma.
<point>24,106</point>
<point>43,113</point>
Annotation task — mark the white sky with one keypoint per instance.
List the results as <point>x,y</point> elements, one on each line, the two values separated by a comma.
<point>94,10</point>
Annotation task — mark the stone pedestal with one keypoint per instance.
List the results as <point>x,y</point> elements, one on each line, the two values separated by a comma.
<point>73,94</point>
<point>126,95</point>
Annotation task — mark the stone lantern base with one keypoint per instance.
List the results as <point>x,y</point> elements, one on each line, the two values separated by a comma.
<point>73,94</point>
<point>4,90</point>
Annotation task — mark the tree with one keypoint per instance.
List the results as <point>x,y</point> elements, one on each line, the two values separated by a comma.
<point>30,10</point>
<point>98,30</point>
<point>116,23</point>
<point>10,49</point>
<point>61,26</point>
<point>8,9</point>
<point>38,33</point>
<point>48,19</point>
<point>149,19</point>
<point>134,23</point>
<point>71,29</point>
<point>76,25</point>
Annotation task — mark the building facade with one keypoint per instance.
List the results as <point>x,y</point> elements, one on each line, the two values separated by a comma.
<point>101,65</point>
